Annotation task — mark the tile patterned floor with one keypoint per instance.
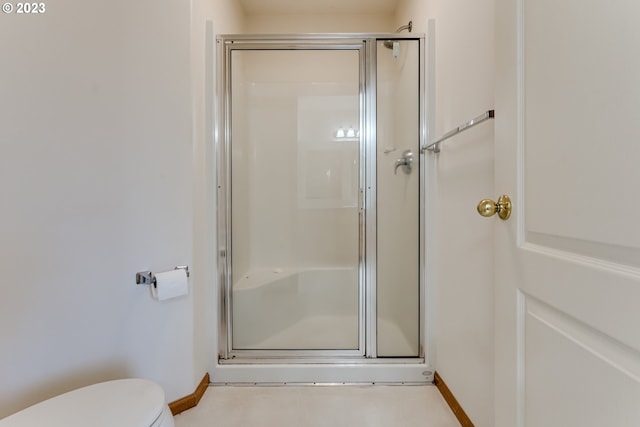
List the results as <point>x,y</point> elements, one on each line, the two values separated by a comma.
<point>316,406</point>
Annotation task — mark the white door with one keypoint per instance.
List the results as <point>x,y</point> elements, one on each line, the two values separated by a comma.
<point>567,295</point>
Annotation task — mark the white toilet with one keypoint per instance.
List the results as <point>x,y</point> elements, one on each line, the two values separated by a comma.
<point>120,403</point>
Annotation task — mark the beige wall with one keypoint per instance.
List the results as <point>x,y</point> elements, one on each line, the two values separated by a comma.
<point>97,172</point>
<point>318,23</point>
<point>463,284</point>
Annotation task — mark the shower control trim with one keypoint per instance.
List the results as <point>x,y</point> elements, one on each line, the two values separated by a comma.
<point>406,161</point>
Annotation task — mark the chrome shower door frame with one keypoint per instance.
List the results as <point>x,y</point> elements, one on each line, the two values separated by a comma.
<point>366,45</point>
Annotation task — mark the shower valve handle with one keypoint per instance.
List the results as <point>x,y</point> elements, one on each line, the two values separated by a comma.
<point>406,161</point>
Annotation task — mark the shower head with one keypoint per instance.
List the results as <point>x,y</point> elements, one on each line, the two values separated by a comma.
<point>389,44</point>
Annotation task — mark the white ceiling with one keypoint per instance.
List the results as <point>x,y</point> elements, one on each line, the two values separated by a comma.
<point>304,7</point>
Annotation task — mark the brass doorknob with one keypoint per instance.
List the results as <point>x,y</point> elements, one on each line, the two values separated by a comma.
<point>488,207</point>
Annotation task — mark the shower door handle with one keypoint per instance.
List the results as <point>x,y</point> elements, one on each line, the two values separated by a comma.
<point>406,161</point>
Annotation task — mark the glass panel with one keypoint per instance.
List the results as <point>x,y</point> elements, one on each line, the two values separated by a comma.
<point>398,261</point>
<point>295,179</point>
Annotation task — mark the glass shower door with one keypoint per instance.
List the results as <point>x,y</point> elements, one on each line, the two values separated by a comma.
<point>321,219</point>
<point>398,199</point>
<point>295,156</point>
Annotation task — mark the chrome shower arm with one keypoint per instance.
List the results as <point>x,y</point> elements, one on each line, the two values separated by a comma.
<point>409,27</point>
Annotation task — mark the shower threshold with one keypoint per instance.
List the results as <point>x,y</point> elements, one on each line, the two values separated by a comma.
<point>278,371</point>
<point>246,359</point>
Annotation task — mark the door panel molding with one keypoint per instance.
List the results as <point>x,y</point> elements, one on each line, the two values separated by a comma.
<point>569,356</point>
<point>576,109</point>
<point>613,256</point>
<point>600,297</point>
<point>612,352</point>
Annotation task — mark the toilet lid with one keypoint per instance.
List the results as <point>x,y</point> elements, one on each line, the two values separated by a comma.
<point>129,402</point>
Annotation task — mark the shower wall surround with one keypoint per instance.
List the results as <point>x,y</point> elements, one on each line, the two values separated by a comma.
<point>295,182</point>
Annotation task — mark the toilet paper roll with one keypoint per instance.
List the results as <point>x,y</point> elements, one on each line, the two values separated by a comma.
<point>170,284</point>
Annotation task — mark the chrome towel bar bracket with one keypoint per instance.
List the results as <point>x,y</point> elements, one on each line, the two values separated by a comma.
<point>434,145</point>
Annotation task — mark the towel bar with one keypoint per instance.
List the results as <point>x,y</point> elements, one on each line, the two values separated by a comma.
<point>434,146</point>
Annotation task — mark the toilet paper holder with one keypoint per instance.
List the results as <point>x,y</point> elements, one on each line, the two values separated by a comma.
<point>148,278</point>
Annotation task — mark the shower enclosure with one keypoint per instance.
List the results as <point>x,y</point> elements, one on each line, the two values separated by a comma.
<point>320,195</point>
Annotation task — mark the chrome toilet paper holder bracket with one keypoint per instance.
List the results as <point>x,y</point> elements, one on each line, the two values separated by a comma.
<point>145,278</point>
<point>148,278</point>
